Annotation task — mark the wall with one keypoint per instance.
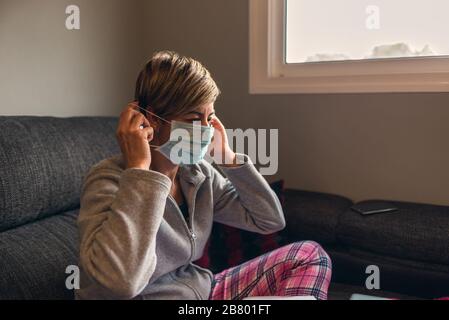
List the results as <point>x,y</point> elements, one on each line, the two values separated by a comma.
<point>46,69</point>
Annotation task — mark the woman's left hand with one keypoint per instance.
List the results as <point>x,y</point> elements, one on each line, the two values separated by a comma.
<point>219,148</point>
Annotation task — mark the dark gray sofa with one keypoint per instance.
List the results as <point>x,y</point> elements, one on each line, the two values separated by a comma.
<point>410,246</point>
<point>42,163</point>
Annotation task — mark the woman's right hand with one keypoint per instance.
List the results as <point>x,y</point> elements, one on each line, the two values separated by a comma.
<point>134,141</point>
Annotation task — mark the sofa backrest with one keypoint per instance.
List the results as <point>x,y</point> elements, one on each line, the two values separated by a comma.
<point>43,161</point>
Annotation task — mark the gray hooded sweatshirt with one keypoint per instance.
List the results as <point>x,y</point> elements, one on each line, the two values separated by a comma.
<point>135,242</point>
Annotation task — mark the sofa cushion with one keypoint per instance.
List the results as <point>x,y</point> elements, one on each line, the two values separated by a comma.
<point>34,258</point>
<point>408,277</point>
<point>416,231</point>
<point>43,160</point>
<point>312,215</point>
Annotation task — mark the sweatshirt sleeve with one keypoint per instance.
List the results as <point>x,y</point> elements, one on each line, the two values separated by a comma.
<point>120,214</point>
<point>244,199</point>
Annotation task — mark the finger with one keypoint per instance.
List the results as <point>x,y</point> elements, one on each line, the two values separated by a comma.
<point>134,103</point>
<point>122,123</point>
<point>132,106</point>
<point>145,122</point>
<point>135,106</point>
<point>126,116</point>
<point>148,132</point>
<point>216,122</point>
<point>137,121</point>
<point>215,118</point>
<point>218,126</point>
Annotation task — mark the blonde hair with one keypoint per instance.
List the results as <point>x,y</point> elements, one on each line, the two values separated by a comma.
<point>173,85</point>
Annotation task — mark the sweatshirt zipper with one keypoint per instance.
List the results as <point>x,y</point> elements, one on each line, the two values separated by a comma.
<point>190,231</point>
<point>191,220</point>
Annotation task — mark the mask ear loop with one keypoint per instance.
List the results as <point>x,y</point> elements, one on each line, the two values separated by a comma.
<point>150,112</point>
<point>141,127</point>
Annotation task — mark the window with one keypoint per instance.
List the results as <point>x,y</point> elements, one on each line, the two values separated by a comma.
<point>326,46</point>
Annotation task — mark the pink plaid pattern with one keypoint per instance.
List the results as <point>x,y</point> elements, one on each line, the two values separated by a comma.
<point>300,268</point>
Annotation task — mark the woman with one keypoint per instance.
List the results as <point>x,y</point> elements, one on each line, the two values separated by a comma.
<point>147,213</point>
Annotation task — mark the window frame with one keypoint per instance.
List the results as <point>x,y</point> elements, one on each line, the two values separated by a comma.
<point>268,73</point>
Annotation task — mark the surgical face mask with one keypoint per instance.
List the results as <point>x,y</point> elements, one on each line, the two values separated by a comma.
<point>188,142</point>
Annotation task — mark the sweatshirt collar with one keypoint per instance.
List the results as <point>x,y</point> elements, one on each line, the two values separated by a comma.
<point>192,173</point>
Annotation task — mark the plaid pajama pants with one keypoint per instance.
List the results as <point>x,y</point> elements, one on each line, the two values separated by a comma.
<point>300,268</point>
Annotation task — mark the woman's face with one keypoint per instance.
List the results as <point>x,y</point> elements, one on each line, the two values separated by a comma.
<point>203,115</point>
